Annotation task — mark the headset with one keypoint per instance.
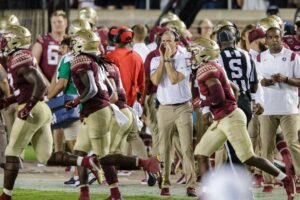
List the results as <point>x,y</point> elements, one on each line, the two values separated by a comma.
<point>234,29</point>
<point>176,35</point>
<point>120,36</point>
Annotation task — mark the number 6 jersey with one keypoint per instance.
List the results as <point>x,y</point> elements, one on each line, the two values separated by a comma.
<point>51,55</point>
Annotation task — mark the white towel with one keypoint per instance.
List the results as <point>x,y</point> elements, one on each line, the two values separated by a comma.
<point>120,117</point>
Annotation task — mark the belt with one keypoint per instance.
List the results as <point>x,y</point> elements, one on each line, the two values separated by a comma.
<point>176,104</point>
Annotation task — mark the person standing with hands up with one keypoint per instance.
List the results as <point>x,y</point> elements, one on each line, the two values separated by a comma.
<point>171,74</point>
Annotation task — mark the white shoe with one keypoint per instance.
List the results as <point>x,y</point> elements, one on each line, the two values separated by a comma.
<point>124,173</point>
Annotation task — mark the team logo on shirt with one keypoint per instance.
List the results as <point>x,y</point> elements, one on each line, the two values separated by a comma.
<point>290,41</point>
<point>284,59</point>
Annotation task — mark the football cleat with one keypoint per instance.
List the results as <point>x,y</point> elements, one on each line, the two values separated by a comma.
<point>290,187</point>
<point>268,189</point>
<point>165,192</point>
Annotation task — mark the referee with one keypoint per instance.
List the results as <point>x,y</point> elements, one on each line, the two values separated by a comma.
<point>239,68</point>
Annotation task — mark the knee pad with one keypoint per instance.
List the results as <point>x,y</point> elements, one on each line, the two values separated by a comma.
<point>12,163</point>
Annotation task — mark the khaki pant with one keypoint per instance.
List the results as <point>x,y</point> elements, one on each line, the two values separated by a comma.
<point>199,126</point>
<point>118,134</point>
<point>94,133</point>
<point>232,128</point>
<point>3,140</point>
<point>181,117</point>
<point>152,122</point>
<point>9,115</point>
<point>289,126</point>
<point>254,132</point>
<point>36,129</point>
<point>134,142</point>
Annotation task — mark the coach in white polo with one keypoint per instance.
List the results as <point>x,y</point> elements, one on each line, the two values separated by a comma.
<point>280,70</point>
<point>171,74</point>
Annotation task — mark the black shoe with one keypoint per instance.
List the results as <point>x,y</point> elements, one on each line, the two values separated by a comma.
<point>71,181</point>
<point>2,165</point>
<point>191,192</point>
<point>151,179</point>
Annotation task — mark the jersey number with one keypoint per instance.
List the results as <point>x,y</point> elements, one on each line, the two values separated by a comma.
<point>235,66</point>
<point>52,54</point>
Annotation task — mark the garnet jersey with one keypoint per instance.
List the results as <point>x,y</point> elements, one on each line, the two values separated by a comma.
<point>51,55</point>
<point>102,33</point>
<point>114,73</point>
<point>17,60</point>
<point>82,63</point>
<point>292,42</point>
<point>212,70</point>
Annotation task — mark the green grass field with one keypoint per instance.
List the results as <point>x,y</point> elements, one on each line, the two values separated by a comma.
<point>20,194</point>
<point>29,194</point>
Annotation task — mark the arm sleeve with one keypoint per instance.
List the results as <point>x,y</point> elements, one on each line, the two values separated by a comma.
<point>217,96</point>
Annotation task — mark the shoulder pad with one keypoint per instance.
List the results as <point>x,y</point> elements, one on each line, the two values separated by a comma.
<point>20,58</point>
<point>206,71</point>
<point>81,60</point>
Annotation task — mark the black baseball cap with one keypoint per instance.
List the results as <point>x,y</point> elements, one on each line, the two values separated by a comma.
<point>225,35</point>
<point>272,10</point>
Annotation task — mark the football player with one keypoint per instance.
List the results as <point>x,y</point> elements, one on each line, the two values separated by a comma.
<point>89,74</point>
<point>89,14</point>
<point>47,52</point>
<point>229,121</point>
<point>33,122</point>
<point>64,83</point>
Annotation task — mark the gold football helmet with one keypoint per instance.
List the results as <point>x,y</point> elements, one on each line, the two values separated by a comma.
<point>178,25</point>
<point>204,50</point>
<point>77,25</point>
<point>222,24</point>
<point>168,17</point>
<point>267,23</point>
<point>15,37</point>
<point>85,41</point>
<point>12,20</point>
<point>89,14</point>
<point>278,20</point>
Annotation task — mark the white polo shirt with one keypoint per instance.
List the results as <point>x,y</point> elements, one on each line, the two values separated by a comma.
<point>141,49</point>
<point>168,93</point>
<point>280,99</point>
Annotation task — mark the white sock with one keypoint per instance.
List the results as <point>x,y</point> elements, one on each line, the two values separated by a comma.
<point>281,176</point>
<point>84,186</point>
<point>76,177</point>
<point>7,192</point>
<point>79,160</point>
